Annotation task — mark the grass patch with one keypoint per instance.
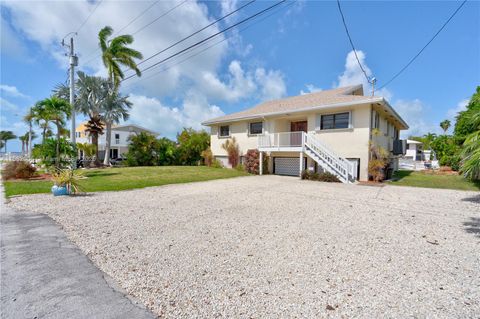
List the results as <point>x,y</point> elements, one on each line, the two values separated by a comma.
<point>123,178</point>
<point>419,179</point>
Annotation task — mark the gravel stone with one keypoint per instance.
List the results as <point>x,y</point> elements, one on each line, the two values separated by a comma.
<point>271,246</point>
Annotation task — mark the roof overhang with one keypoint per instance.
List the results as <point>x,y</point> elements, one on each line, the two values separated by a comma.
<point>395,114</point>
<point>288,112</point>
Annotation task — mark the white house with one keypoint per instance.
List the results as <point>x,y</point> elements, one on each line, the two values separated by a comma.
<point>323,131</point>
<point>414,150</point>
<point>119,141</point>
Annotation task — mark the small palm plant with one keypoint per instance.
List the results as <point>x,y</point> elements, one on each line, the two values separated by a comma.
<point>69,179</point>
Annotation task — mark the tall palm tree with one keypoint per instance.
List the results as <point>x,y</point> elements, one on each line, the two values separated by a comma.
<point>58,111</point>
<point>6,136</point>
<point>116,54</point>
<point>24,139</point>
<point>41,117</point>
<point>445,125</point>
<point>115,109</point>
<point>93,92</point>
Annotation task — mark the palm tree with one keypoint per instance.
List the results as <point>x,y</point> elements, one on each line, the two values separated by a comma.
<point>445,125</point>
<point>5,136</point>
<point>427,140</point>
<point>471,149</point>
<point>58,111</point>
<point>115,109</point>
<point>24,139</point>
<point>39,114</point>
<point>93,92</point>
<point>116,54</point>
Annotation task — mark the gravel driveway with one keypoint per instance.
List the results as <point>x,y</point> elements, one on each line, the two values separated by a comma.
<point>271,246</point>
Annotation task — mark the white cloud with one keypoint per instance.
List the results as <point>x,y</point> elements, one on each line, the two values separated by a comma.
<point>10,42</point>
<point>414,113</point>
<point>310,89</point>
<point>272,84</point>
<point>461,106</point>
<point>6,105</point>
<point>11,91</point>
<point>168,120</point>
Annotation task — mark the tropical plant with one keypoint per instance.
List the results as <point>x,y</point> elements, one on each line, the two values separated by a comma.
<point>191,144</point>
<point>57,111</point>
<point>5,136</point>
<point>208,158</point>
<point>252,162</point>
<point>39,114</point>
<point>116,54</point>
<point>464,125</point>
<point>378,159</point>
<point>445,125</point>
<point>114,110</point>
<point>47,152</point>
<point>88,153</point>
<point>93,92</point>
<point>166,151</point>
<point>24,140</point>
<point>68,178</point>
<point>233,152</point>
<point>142,150</point>
<point>471,147</point>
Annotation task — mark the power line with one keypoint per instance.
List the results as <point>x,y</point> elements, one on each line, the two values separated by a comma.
<point>91,57</point>
<point>91,13</point>
<point>196,32</point>
<point>351,41</point>
<point>424,47</point>
<point>208,38</point>
<point>211,46</point>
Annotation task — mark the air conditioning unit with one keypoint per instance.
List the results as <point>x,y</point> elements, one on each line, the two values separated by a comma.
<point>399,147</point>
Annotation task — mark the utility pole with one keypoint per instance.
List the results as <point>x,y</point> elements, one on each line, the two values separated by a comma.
<point>73,60</point>
<point>373,81</point>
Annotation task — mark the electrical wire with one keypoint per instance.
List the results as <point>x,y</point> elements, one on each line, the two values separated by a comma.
<point>211,46</point>
<point>93,55</point>
<point>351,41</point>
<point>195,33</point>
<point>208,38</point>
<point>88,17</point>
<point>424,47</point>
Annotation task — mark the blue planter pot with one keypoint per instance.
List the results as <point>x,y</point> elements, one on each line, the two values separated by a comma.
<point>59,190</point>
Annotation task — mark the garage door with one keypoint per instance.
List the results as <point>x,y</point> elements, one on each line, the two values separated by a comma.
<point>286,166</point>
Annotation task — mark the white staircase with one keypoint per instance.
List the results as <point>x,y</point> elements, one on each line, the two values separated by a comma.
<point>328,160</point>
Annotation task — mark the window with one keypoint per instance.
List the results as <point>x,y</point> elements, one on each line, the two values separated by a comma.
<point>117,138</point>
<point>224,131</point>
<point>256,128</point>
<point>376,121</point>
<point>335,121</point>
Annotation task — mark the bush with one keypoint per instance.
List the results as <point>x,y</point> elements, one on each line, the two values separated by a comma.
<point>376,169</point>
<point>240,168</point>
<point>47,153</point>
<point>252,162</point>
<point>233,152</point>
<point>191,144</point>
<point>321,177</point>
<point>452,161</point>
<point>216,164</point>
<point>18,169</point>
<point>208,158</point>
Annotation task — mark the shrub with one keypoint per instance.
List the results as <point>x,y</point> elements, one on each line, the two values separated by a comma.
<point>216,164</point>
<point>452,161</point>
<point>376,169</point>
<point>191,144</point>
<point>233,151</point>
<point>208,158</point>
<point>327,177</point>
<point>18,169</point>
<point>240,168</point>
<point>47,153</point>
<point>252,162</point>
<point>321,177</point>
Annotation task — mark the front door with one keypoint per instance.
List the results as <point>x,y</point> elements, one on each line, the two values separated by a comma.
<point>301,126</point>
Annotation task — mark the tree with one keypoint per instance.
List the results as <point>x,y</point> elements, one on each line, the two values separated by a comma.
<point>142,150</point>
<point>233,152</point>
<point>39,114</point>
<point>93,91</point>
<point>48,150</point>
<point>445,125</point>
<point>6,136</point>
<point>116,54</point>
<point>57,111</point>
<point>471,147</point>
<point>464,125</point>
<point>166,151</point>
<point>191,144</point>
<point>115,109</point>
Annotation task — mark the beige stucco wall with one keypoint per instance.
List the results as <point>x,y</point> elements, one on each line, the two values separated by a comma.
<point>348,143</point>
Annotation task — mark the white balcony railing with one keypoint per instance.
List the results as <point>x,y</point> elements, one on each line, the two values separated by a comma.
<point>278,140</point>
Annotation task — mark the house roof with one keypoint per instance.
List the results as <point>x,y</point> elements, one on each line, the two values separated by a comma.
<point>413,142</point>
<point>345,96</point>
<point>126,127</point>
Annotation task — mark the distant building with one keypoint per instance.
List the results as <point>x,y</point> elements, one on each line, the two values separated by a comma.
<point>414,150</point>
<point>119,141</point>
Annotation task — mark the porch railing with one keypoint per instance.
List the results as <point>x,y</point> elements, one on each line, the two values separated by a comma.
<point>284,139</point>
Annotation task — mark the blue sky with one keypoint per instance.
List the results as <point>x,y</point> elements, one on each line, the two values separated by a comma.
<point>302,47</point>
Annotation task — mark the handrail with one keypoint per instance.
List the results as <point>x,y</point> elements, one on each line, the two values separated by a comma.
<point>283,139</point>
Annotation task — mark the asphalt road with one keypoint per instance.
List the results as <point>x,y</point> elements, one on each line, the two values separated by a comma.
<point>44,275</point>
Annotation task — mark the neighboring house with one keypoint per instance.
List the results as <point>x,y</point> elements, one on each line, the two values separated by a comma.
<point>322,131</point>
<point>414,150</point>
<point>119,141</point>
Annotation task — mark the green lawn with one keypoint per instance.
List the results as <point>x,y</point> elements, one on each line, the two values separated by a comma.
<point>114,179</point>
<point>419,179</point>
